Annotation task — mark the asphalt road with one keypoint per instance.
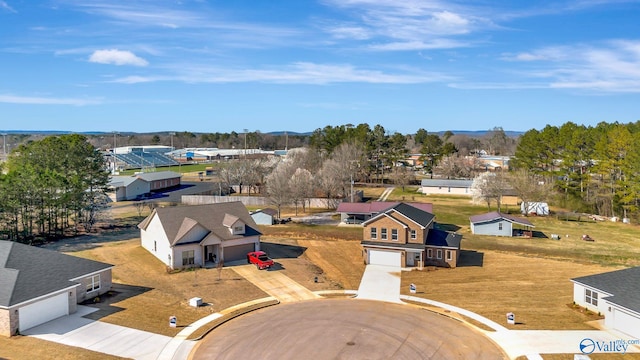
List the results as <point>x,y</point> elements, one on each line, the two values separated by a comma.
<point>345,329</point>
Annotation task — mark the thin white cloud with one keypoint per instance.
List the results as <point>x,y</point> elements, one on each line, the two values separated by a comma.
<point>30,100</point>
<point>419,45</point>
<point>608,67</point>
<point>407,25</point>
<point>296,73</point>
<point>117,57</point>
<point>5,6</point>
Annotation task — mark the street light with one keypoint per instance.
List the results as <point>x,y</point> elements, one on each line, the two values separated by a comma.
<point>115,159</point>
<point>172,133</point>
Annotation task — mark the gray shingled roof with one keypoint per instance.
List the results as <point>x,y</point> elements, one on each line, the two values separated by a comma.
<point>623,284</point>
<point>495,215</point>
<point>210,216</point>
<point>27,272</point>
<point>419,216</point>
<point>454,183</point>
<point>159,175</point>
<point>443,238</point>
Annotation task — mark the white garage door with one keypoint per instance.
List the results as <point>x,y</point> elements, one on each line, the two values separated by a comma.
<point>43,311</point>
<point>626,323</point>
<point>389,258</point>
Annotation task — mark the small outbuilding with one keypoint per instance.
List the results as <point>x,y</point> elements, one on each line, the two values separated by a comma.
<point>498,224</point>
<point>534,208</point>
<point>265,216</point>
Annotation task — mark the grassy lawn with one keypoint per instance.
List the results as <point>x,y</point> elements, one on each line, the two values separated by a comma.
<point>537,290</point>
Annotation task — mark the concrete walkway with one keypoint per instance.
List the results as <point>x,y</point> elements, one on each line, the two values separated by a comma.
<point>381,283</point>
<point>385,194</point>
<point>275,283</point>
<point>74,330</point>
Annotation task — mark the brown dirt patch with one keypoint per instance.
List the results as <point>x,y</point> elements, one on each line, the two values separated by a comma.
<point>29,348</point>
<point>145,295</point>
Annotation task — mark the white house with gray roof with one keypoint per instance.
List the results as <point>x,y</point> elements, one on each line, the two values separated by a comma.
<point>39,285</point>
<point>616,295</point>
<point>200,235</point>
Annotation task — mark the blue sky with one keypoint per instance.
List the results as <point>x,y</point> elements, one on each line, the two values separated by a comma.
<point>222,66</point>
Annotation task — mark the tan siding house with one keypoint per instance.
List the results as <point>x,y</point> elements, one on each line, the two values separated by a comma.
<point>404,236</point>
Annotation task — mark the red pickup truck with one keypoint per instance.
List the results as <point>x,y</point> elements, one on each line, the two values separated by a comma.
<point>259,258</point>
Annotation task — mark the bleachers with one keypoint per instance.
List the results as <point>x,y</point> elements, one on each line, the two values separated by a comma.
<point>145,159</point>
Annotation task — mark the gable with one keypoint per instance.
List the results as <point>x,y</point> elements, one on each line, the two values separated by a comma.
<point>616,283</point>
<point>415,215</point>
<point>29,272</point>
<point>211,217</point>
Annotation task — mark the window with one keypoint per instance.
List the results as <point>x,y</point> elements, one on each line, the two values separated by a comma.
<point>188,258</point>
<point>430,253</point>
<point>374,233</point>
<point>414,235</point>
<point>449,255</point>
<point>439,253</point>
<point>93,283</point>
<point>591,297</point>
<point>383,234</point>
<point>499,226</point>
<point>394,234</point>
<point>238,229</point>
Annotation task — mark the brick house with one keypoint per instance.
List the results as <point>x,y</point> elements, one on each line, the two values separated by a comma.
<point>405,236</point>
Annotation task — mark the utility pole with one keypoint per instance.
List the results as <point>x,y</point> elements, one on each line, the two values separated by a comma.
<point>4,145</point>
<point>245,143</point>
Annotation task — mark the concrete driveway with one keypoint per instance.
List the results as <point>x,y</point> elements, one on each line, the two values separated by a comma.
<point>275,283</point>
<point>74,330</point>
<point>381,283</point>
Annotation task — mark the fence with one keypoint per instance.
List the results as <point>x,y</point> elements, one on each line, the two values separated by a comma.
<point>256,201</point>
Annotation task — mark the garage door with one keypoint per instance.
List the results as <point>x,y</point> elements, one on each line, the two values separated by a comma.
<point>43,311</point>
<point>239,252</point>
<point>389,258</point>
<point>626,323</point>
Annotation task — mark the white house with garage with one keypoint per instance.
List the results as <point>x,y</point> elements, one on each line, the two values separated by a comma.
<point>200,235</point>
<point>616,295</point>
<point>39,285</point>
